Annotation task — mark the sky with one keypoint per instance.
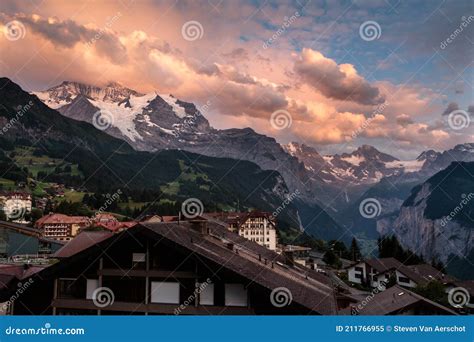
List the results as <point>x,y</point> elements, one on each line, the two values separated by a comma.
<point>334,75</point>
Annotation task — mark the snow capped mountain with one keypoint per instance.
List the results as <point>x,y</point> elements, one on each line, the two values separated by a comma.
<point>126,113</point>
<point>64,93</point>
<point>154,121</point>
<point>366,165</point>
<point>151,122</point>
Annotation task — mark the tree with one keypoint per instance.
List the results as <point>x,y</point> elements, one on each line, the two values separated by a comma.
<point>438,264</point>
<point>339,248</point>
<point>434,291</point>
<point>332,259</point>
<point>389,247</point>
<point>36,214</point>
<point>354,250</point>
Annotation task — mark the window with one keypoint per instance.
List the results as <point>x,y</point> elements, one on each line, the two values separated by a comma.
<point>92,285</point>
<point>71,288</point>
<point>206,296</point>
<point>359,269</point>
<point>138,257</point>
<point>357,275</point>
<point>404,280</point>
<point>235,295</point>
<point>164,292</point>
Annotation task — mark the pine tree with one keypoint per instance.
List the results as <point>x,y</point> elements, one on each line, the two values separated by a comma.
<point>354,250</point>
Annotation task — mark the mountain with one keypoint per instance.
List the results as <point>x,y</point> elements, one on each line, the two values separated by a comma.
<point>364,166</point>
<point>437,219</point>
<point>106,163</point>
<point>153,122</point>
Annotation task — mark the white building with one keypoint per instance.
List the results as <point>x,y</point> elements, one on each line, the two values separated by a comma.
<point>16,205</point>
<point>257,226</point>
<point>260,228</point>
<point>377,272</point>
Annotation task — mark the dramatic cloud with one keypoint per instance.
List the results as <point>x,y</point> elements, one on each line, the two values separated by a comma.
<point>341,82</point>
<point>67,33</point>
<point>331,100</point>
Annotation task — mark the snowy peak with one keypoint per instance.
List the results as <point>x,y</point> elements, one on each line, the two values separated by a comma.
<point>428,155</point>
<point>368,154</point>
<point>302,151</point>
<point>67,91</point>
<point>131,115</point>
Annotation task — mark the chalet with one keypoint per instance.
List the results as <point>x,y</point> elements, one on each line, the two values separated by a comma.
<point>377,272</point>
<point>193,267</point>
<point>61,227</point>
<point>257,226</point>
<point>397,300</point>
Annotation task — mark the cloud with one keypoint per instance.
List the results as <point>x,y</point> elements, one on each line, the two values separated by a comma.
<point>452,106</point>
<point>237,53</point>
<point>404,120</point>
<point>341,82</point>
<point>244,83</point>
<point>67,33</point>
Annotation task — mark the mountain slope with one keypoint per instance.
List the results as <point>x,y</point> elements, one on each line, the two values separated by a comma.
<point>437,219</point>
<point>152,122</point>
<point>108,163</point>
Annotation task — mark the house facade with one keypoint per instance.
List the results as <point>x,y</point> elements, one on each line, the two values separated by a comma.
<point>256,226</point>
<point>377,272</point>
<point>61,227</point>
<point>16,205</point>
<point>186,268</point>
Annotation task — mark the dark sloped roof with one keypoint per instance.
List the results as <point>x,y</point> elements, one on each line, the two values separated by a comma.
<point>11,273</point>
<point>315,293</point>
<point>427,273</point>
<point>467,284</point>
<point>20,228</point>
<point>394,299</point>
<point>82,241</point>
<point>384,264</point>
